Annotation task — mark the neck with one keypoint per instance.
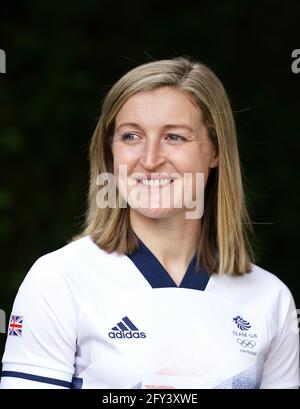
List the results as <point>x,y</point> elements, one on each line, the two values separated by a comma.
<point>173,240</point>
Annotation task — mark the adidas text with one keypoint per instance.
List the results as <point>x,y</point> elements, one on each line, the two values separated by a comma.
<point>126,334</point>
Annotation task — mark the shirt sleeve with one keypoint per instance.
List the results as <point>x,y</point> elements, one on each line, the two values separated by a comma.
<point>281,369</point>
<point>41,340</point>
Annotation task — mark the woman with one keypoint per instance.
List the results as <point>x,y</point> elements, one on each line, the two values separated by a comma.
<point>160,290</point>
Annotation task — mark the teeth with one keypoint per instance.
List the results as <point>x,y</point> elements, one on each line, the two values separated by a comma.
<point>155,182</point>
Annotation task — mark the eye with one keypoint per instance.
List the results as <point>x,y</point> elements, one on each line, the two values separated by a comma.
<point>176,138</point>
<point>129,137</point>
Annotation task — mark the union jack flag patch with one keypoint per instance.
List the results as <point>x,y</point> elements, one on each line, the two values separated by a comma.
<point>16,325</point>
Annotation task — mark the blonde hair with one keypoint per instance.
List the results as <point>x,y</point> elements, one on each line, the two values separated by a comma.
<point>224,245</point>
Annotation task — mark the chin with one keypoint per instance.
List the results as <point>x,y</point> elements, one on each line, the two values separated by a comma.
<point>156,213</point>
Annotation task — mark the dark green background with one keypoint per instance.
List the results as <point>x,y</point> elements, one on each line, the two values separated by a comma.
<point>62,57</point>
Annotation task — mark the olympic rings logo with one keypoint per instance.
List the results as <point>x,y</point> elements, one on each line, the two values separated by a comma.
<point>245,343</point>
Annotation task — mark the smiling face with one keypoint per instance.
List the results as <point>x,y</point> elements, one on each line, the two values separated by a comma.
<point>161,139</point>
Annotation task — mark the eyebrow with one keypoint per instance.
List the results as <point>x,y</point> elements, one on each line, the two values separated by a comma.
<point>167,126</point>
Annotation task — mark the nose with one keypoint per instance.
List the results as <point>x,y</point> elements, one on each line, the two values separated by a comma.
<point>152,156</point>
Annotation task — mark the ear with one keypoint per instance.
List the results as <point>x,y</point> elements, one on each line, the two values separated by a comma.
<point>214,161</point>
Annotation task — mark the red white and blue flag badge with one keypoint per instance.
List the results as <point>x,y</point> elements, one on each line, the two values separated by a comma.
<point>16,325</point>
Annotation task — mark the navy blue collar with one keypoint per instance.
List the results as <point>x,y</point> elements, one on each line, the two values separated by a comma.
<point>158,277</point>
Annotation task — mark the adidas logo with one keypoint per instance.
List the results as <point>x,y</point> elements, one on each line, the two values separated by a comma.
<point>126,329</point>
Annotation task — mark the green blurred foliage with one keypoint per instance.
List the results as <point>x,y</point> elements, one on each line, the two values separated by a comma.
<point>62,57</point>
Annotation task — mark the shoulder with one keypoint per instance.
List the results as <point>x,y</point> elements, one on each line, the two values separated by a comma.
<point>272,289</point>
<point>263,278</point>
<point>267,282</point>
<point>259,287</point>
<point>68,259</point>
<point>79,267</point>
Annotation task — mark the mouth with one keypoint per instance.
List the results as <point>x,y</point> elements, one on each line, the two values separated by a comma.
<point>154,183</point>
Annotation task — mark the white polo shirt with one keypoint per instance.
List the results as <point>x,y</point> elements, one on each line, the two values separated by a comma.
<point>84,318</point>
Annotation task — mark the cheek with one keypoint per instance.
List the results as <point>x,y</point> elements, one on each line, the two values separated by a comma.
<point>121,157</point>
<point>123,164</point>
<point>191,161</point>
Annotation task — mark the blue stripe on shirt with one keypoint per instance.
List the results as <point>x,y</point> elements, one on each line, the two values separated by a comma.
<point>42,379</point>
